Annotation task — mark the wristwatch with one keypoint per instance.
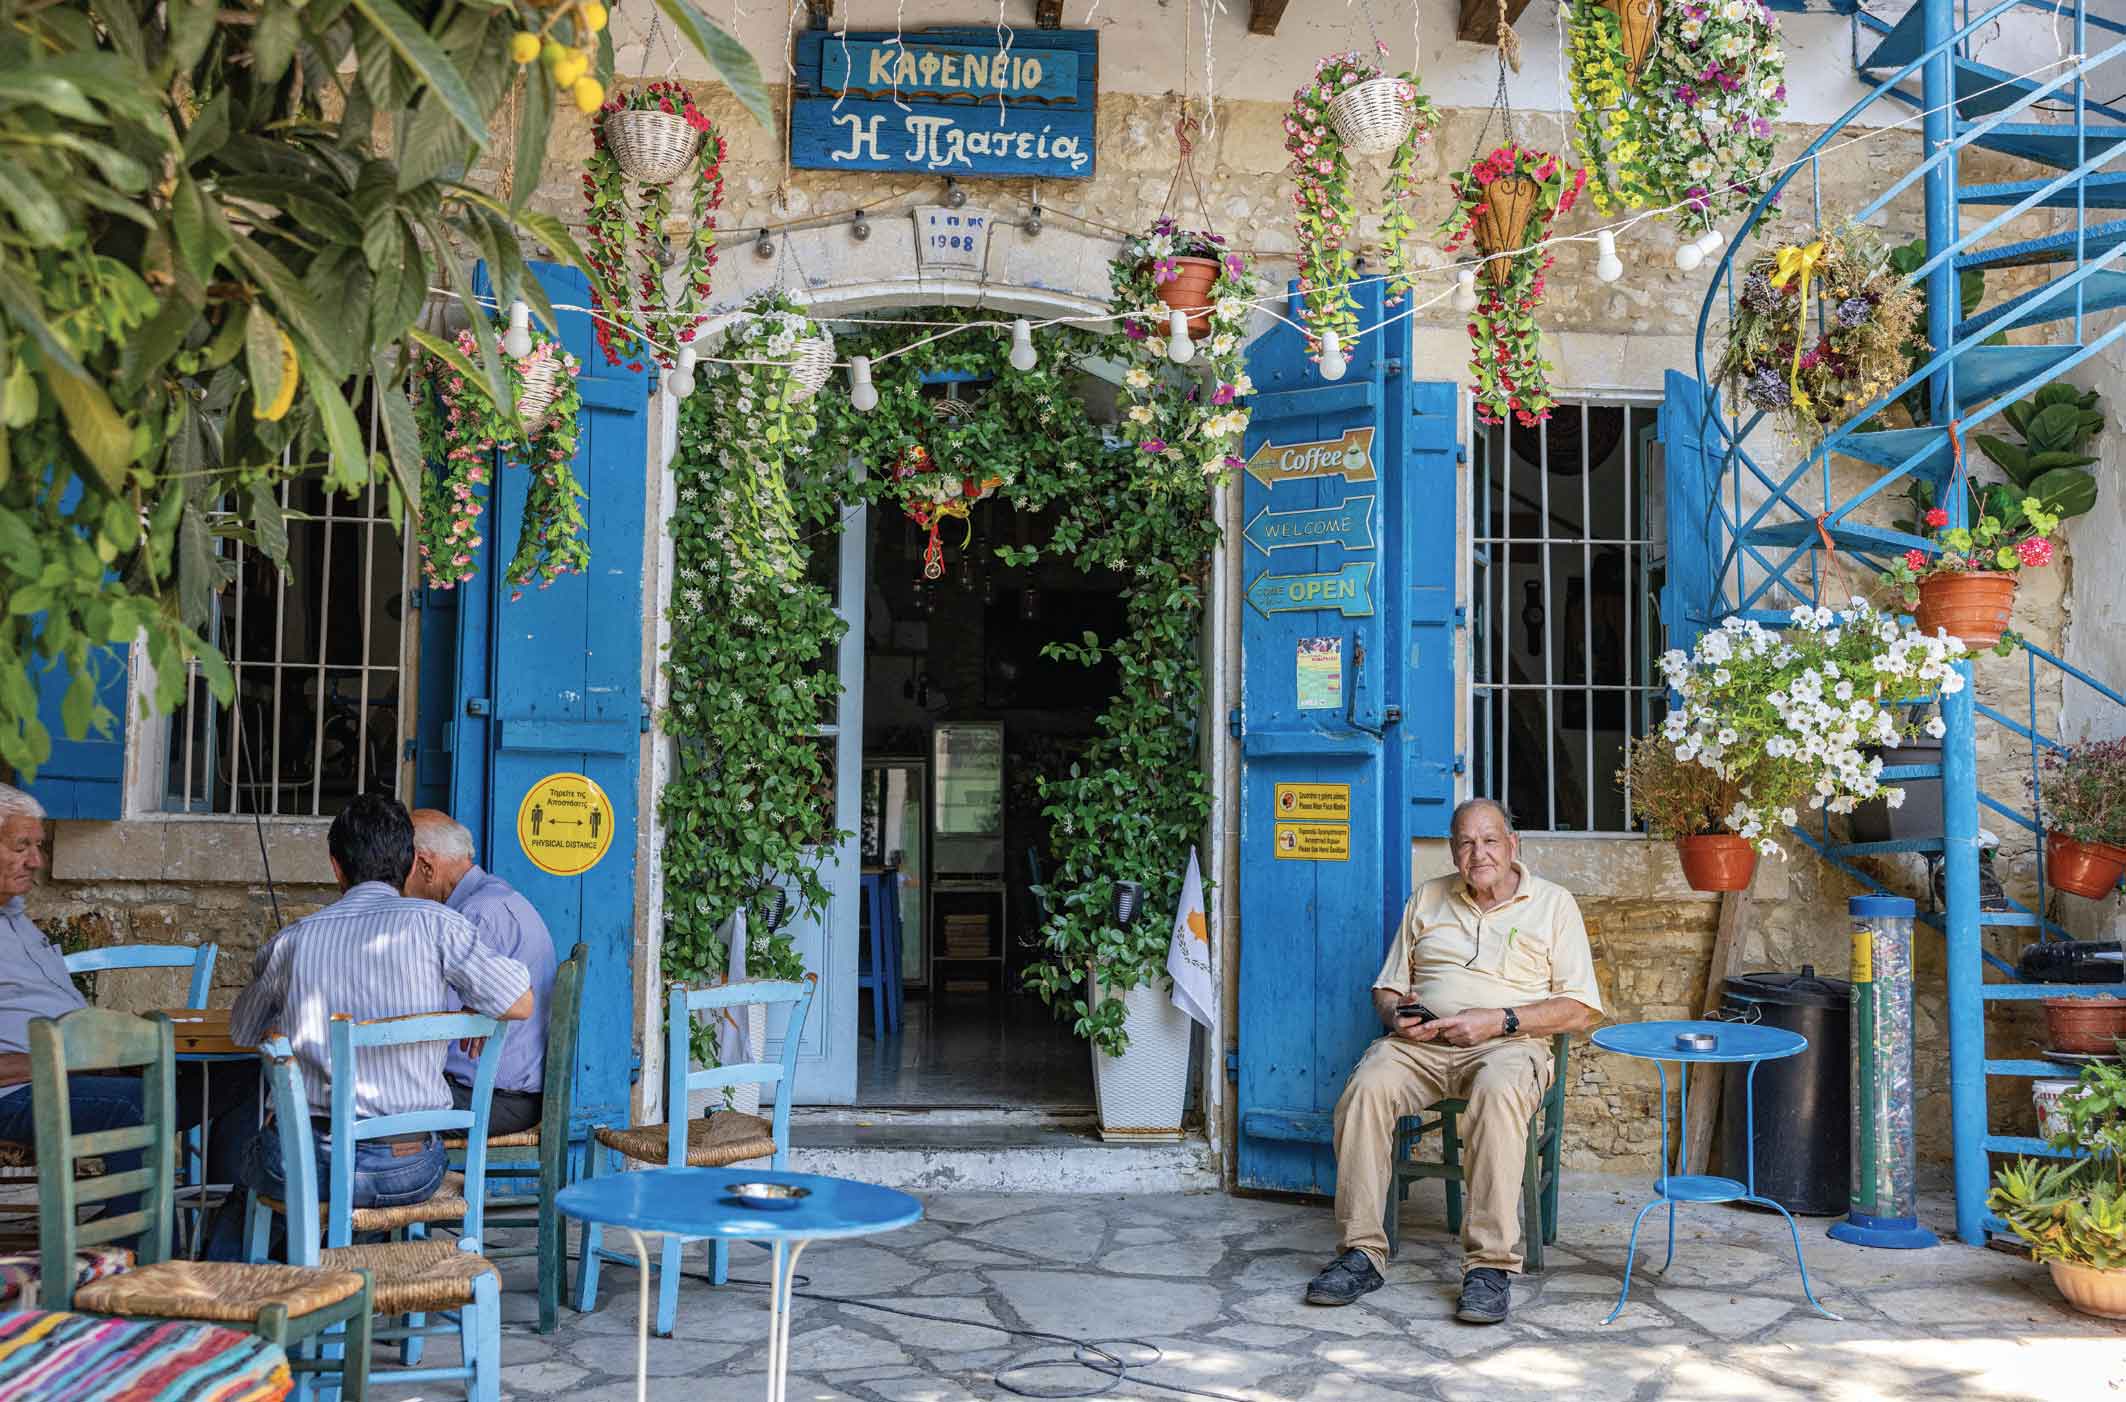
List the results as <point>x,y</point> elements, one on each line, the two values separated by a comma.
<point>1513,1024</point>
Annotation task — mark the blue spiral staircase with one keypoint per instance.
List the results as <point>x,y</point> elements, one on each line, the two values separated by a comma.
<point>1763,528</point>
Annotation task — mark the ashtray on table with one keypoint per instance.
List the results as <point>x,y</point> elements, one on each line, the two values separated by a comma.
<point>768,1197</point>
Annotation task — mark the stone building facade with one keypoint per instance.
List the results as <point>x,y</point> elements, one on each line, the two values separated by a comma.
<point>185,880</point>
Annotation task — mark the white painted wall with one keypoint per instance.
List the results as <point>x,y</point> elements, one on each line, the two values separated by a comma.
<point>2096,631</point>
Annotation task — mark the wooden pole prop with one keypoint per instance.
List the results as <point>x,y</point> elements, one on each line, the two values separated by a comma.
<point>1508,203</point>
<point>1706,1077</point>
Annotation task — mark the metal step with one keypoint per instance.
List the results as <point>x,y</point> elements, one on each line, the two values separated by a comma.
<point>2105,190</point>
<point>2046,143</point>
<point>2095,239</point>
<point>1902,42</point>
<point>1890,447</point>
<point>2101,292</point>
<point>1846,535</point>
<point>2030,992</point>
<point>2024,1145</point>
<point>2033,1068</point>
<point>1984,373</point>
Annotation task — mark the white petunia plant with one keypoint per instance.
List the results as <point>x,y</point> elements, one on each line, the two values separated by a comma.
<point>1787,717</point>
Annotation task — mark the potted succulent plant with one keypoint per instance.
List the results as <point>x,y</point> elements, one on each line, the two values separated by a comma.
<point>2073,1214</point>
<point>2081,792</point>
<point>1782,720</point>
<point>1964,583</point>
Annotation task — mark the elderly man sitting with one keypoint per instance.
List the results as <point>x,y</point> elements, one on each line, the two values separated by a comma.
<point>1497,958</point>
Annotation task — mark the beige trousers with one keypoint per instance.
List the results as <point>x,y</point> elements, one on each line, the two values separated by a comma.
<point>1503,1080</point>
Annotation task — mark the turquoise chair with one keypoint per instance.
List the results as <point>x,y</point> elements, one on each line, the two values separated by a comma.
<point>722,1137</point>
<point>153,956</point>
<point>418,1275</point>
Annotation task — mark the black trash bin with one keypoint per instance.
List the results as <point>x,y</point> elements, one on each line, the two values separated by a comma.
<point>1804,1102</point>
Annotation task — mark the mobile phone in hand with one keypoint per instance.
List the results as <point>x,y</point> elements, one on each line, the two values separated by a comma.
<point>1417,1010</point>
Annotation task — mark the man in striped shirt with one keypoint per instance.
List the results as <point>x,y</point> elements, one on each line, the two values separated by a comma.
<point>371,954</point>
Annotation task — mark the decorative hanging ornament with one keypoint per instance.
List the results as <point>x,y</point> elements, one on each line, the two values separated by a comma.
<point>1638,23</point>
<point>929,496</point>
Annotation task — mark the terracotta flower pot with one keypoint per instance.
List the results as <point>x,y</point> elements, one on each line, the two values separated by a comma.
<point>1717,862</point>
<point>2085,1024</point>
<point>2101,1293</point>
<point>1189,290</point>
<point>1973,608</point>
<point>2089,869</point>
<point>1508,203</point>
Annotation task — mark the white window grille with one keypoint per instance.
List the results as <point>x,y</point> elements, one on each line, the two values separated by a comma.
<point>1568,547</point>
<point>318,661</point>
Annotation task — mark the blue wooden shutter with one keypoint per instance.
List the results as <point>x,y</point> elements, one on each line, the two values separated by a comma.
<point>83,778</point>
<point>1425,614</point>
<point>1689,589</point>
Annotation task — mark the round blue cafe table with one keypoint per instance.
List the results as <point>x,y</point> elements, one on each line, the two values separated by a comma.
<point>697,1202</point>
<point>1732,1042</point>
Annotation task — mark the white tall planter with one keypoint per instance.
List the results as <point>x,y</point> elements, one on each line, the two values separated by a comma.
<point>1140,1094</point>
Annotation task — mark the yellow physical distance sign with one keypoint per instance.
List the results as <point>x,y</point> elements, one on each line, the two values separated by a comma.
<point>565,824</point>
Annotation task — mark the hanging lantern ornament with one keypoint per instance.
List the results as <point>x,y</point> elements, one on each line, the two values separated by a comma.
<point>1638,24</point>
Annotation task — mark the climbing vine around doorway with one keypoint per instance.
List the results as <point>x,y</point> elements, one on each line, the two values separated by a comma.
<point>752,650</point>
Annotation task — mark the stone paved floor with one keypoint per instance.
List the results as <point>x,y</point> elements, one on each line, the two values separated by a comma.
<point>1215,1283</point>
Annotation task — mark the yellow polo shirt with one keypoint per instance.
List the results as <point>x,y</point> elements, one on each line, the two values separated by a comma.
<point>1451,956</point>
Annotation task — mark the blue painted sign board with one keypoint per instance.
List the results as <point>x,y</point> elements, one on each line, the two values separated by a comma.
<point>1348,591</point>
<point>1317,908</point>
<point>947,102</point>
<point>1349,523</point>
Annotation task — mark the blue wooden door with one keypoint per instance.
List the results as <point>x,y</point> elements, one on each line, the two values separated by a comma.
<point>551,683</point>
<point>1689,592</point>
<point>1347,718</point>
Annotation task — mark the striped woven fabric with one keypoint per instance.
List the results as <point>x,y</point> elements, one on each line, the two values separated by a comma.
<point>52,1357</point>
<point>92,1264</point>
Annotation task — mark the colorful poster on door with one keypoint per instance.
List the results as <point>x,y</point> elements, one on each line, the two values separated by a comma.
<point>564,824</point>
<point>1321,674</point>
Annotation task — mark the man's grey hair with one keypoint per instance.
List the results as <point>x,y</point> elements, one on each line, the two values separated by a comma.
<point>14,803</point>
<point>1475,805</point>
<point>442,837</point>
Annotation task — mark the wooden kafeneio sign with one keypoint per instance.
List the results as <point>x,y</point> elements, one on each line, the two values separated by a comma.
<point>947,102</point>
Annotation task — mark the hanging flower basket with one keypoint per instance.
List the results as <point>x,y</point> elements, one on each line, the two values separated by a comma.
<point>1187,288</point>
<point>1717,861</point>
<point>1638,22</point>
<point>930,495</point>
<point>1172,418</point>
<point>1502,223</point>
<point>535,394</point>
<point>1373,116</point>
<point>813,366</point>
<point>651,145</point>
<point>1972,607</point>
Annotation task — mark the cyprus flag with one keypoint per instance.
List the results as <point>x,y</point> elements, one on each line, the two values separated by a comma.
<point>1188,956</point>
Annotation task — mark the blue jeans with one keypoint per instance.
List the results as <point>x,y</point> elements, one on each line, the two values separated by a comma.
<point>95,1103</point>
<point>383,1177</point>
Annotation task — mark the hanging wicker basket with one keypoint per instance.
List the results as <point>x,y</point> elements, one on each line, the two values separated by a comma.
<point>542,381</point>
<point>653,147</point>
<point>1638,22</point>
<point>1508,203</point>
<point>814,364</point>
<point>1373,117</point>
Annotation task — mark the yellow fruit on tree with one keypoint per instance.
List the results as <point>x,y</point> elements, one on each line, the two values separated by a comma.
<point>291,375</point>
<point>569,69</point>
<point>553,52</point>
<point>593,15</point>
<point>524,46</point>
<point>589,94</point>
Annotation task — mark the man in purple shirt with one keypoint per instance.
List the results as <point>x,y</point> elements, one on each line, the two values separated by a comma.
<point>444,871</point>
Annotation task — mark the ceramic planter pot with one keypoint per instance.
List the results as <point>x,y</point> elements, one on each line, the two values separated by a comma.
<point>1971,608</point>
<point>1141,1094</point>
<point>1717,862</point>
<point>2089,869</point>
<point>1189,290</point>
<point>2101,1293</point>
<point>2085,1024</point>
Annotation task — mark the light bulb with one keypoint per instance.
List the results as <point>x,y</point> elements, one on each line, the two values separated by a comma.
<point>1709,243</point>
<point>1332,363</point>
<point>1465,290</point>
<point>1179,348</point>
<point>517,342</point>
<point>683,373</point>
<point>1022,351</point>
<point>863,395</point>
<point>1608,267</point>
<point>1689,256</point>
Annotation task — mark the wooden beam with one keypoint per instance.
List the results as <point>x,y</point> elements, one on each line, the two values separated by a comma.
<point>1706,1078</point>
<point>1480,19</point>
<point>1263,15</point>
<point>1048,14</point>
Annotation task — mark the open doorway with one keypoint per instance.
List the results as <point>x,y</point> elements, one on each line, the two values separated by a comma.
<point>964,713</point>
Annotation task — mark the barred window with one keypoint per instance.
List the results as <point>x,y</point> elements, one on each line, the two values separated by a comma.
<point>1568,549</point>
<point>317,659</point>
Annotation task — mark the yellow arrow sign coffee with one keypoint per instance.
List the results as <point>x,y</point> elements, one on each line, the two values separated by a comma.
<point>1349,457</point>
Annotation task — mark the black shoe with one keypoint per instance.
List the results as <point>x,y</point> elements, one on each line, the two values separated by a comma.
<point>1344,1280</point>
<point>1485,1295</point>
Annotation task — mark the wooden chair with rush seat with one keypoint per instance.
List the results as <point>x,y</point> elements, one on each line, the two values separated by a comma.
<point>1539,1179</point>
<point>719,1138</point>
<point>287,1305</point>
<point>542,1156</point>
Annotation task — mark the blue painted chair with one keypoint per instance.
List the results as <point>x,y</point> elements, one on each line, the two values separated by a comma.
<point>153,956</point>
<point>722,1137</point>
<point>416,1276</point>
<point>882,917</point>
